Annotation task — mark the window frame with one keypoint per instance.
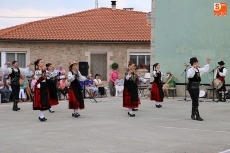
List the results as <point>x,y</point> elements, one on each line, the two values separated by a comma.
<point>138,52</point>
<point>14,50</point>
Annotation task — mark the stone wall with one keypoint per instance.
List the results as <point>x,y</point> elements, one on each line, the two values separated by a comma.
<point>61,53</point>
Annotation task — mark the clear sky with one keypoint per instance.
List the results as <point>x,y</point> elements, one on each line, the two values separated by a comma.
<point>13,12</point>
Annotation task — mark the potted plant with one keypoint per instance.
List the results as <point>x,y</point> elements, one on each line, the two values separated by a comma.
<point>115,66</point>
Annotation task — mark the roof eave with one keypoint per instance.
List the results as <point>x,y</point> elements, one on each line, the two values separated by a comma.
<point>79,41</point>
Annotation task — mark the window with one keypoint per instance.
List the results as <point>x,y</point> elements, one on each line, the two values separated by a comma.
<point>20,57</point>
<point>140,58</point>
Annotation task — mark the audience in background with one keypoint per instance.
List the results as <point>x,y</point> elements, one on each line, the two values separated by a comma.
<point>4,91</point>
<point>119,85</point>
<point>63,88</point>
<point>91,86</point>
<point>100,85</point>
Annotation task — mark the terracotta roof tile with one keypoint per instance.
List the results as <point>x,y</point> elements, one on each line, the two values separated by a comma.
<point>103,24</point>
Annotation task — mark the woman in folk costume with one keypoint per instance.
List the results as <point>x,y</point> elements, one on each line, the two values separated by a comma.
<point>130,93</point>
<point>41,96</point>
<point>76,100</point>
<point>157,93</point>
<point>52,85</point>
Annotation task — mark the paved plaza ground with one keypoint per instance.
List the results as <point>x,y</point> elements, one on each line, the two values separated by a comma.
<point>105,127</point>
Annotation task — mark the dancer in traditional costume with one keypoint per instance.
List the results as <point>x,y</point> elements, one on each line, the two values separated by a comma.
<point>131,99</point>
<point>220,74</point>
<point>52,86</point>
<point>14,74</point>
<point>76,100</point>
<point>41,95</point>
<point>157,93</point>
<point>193,75</point>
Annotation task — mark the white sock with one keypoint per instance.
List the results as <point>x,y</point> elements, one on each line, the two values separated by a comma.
<point>130,111</point>
<point>76,111</point>
<point>41,114</point>
<point>51,108</point>
<point>157,103</point>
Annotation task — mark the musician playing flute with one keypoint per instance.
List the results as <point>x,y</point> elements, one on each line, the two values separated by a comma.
<point>194,79</point>
<point>220,74</point>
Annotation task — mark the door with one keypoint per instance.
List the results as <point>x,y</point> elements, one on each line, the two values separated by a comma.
<point>98,65</point>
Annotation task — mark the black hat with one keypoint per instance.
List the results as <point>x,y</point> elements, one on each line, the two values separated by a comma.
<point>193,60</point>
<point>221,63</point>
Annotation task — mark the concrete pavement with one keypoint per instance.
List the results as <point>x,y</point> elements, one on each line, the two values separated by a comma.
<point>105,127</point>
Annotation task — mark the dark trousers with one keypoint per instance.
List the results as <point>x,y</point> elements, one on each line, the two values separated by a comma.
<point>5,94</point>
<point>194,94</point>
<point>15,91</point>
<point>62,91</point>
<point>101,90</point>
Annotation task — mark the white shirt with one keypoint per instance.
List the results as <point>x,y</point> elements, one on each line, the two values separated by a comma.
<point>191,71</point>
<point>9,70</point>
<point>51,74</point>
<point>162,75</point>
<point>71,77</point>
<point>37,75</point>
<point>221,73</point>
<point>139,78</point>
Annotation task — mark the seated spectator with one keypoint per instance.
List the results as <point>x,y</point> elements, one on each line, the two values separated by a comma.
<point>32,84</point>
<point>63,88</point>
<point>91,86</point>
<point>119,85</point>
<point>61,71</point>
<point>169,83</point>
<point>30,74</point>
<point>23,84</point>
<point>99,84</point>
<point>4,91</point>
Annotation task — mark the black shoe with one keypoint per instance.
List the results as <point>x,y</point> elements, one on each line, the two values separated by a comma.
<point>78,114</point>
<point>198,118</point>
<point>134,109</point>
<point>131,115</point>
<point>74,115</point>
<point>158,106</point>
<point>42,119</point>
<point>51,111</point>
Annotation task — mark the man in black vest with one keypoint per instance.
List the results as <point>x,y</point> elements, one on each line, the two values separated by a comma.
<point>194,74</point>
<point>14,74</point>
<point>220,74</point>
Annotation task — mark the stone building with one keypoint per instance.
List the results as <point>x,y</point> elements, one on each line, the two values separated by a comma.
<point>99,36</point>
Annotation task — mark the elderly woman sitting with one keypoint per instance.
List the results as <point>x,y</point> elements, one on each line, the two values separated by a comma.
<point>91,86</point>
<point>119,85</point>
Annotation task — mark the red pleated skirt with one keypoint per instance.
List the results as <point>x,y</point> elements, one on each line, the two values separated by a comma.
<point>53,102</point>
<point>155,93</point>
<point>127,101</point>
<point>37,101</point>
<point>73,102</point>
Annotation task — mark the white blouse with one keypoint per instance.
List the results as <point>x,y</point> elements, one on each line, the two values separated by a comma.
<point>162,75</point>
<point>71,77</point>
<point>191,71</point>
<point>139,78</point>
<point>37,75</point>
<point>9,70</point>
<point>51,74</point>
